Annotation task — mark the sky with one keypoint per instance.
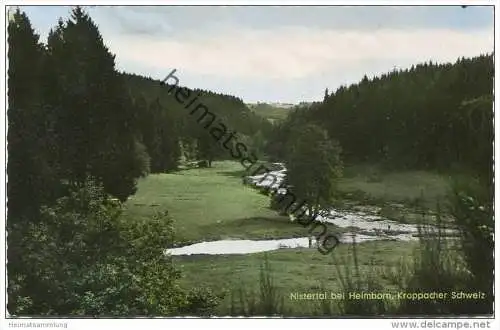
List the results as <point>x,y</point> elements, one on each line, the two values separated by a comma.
<point>279,54</point>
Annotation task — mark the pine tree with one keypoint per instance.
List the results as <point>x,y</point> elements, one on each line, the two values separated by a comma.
<point>96,122</point>
<point>27,170</point>
<point>31,177</point>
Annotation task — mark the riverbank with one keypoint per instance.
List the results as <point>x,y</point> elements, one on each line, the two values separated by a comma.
<point>210,204</point>
<point>294,271</point>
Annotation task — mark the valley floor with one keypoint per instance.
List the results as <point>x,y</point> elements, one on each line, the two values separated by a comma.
<point>213,204</point>
<point>210,204</point>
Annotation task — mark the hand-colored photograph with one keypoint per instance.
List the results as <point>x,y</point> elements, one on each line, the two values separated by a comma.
<point>250,161</point>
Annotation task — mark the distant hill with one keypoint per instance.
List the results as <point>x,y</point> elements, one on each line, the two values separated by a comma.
<point>228,108</point>
<point>274,112</point>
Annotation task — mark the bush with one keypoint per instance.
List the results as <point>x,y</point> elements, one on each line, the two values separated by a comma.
<point>82,259</point>
<point>442,265</point>
<point>471,205</point>
<point>201,302</point>
<point>80,230</point>
<point>437,267</point>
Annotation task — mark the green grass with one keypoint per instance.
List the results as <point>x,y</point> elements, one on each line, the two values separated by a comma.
<point>210,204</point>
<point>294,271</point>
<point>398,187</point>
<point>372,267</point>
<point>400,196</point>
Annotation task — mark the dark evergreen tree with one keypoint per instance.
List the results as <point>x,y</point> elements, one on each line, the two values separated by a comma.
<point>27,153</point>
<point>29,176</point>
<point>96,123</point>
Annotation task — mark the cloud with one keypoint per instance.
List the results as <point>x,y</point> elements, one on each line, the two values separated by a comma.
<point>131,20</point>
<point>330,17</point>
<point>296,52</point>
<point>280,53</point>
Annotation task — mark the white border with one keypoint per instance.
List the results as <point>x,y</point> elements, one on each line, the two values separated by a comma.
<point>222,323</point>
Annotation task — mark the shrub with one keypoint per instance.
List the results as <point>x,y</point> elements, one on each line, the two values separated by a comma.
<point>437,267</point>
<point>471,205</point>
<point>201,302</point>
<point>444,265</point>
<point>83,259</point>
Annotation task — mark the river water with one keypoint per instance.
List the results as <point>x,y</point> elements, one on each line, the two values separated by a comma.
<point>369,227</point>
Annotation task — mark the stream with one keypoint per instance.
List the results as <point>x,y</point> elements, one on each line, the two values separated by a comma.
<point>369,227</point>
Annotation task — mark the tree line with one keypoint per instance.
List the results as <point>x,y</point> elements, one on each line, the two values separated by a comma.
<point>430,116</point>
<point>190,140</point>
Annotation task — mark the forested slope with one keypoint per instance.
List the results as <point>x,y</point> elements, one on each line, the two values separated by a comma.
<point>431,116</point>
<point>160,113</point>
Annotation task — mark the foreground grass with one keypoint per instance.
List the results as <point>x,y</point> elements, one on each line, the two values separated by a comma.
<point>295,271</point>
<point>210,204</point>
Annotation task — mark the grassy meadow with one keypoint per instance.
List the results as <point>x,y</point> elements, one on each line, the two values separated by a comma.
<point>212,203</point>
<point>269,112</point>
<point>405,187</point>
<point>402,196</point>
